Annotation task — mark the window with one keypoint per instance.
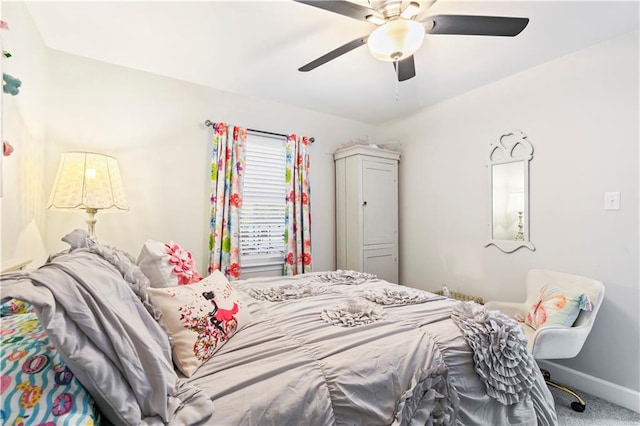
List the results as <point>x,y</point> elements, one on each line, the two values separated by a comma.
<point>262,247</point>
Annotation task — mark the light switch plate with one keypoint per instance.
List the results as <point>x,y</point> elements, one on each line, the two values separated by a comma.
<point>612,201</point>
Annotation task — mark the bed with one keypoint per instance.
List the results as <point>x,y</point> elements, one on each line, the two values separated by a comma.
<point>333,347</point>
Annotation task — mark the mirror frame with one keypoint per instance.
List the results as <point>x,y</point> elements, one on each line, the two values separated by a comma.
<point>510,148</point>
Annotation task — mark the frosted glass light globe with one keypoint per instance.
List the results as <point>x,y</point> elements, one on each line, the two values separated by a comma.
<point>397,39</point>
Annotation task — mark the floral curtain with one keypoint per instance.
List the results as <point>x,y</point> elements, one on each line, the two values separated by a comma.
<point>227,173</point>
<point>297,215</point>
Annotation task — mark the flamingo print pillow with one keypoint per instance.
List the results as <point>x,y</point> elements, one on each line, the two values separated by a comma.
<point>200,318</point>
<point>557,306</point>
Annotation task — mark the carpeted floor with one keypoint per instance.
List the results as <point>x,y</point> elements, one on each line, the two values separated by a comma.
<point>598,412</point>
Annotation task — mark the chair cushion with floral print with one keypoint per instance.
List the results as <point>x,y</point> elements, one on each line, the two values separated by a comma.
<point>556,306</point>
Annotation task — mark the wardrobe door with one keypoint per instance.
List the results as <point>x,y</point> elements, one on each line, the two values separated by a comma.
<point>382,262</point>
<point>379,202</point>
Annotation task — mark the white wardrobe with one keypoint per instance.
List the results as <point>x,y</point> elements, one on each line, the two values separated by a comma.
<point>367,210</point>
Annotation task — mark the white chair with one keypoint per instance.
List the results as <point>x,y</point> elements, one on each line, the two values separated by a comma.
<point>556,342</point>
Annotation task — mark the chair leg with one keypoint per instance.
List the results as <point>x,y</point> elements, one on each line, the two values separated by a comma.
<point>578,405</point>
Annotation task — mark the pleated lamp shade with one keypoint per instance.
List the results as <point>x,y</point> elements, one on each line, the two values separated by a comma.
<point>90,182</point>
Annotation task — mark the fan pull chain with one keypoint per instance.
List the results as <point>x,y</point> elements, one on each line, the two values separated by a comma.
<point>397,67</point>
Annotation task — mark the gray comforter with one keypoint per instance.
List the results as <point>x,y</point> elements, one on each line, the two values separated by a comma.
<point>409,363</point>
<point>111,343</point>
<point>319,352</point>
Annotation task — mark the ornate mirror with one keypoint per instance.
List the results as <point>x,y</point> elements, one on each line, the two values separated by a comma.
<point>508,165</point>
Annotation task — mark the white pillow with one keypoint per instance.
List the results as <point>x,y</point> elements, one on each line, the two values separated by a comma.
<point>167,264</point>
<point>200,318</point>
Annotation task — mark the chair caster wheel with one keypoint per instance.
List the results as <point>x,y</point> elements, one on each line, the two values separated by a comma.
<point>578,407</point>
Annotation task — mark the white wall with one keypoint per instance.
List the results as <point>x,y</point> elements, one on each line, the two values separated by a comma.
<point>155,127</point>
<point>23,123</point>
<point>580,112</point>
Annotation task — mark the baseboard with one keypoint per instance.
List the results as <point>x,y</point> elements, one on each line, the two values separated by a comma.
<point>608,391</point>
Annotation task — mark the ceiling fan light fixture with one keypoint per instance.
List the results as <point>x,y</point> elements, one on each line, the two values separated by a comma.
<point>395,40</point>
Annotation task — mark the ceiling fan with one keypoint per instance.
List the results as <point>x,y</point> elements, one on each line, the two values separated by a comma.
<point>400,31</point>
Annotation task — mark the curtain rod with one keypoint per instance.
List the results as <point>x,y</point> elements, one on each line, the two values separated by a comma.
<point>210,124</point>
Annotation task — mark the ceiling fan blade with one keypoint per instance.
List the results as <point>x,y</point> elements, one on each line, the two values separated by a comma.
<point>429,3</point>
<point>406,68</point>
<point>345,8</point>
<point>476,25</point>
<point>334,54</point>
<point>411,10</point>
<point>424,10</point>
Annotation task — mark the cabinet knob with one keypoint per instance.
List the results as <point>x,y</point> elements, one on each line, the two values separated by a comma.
<point>364,203</point>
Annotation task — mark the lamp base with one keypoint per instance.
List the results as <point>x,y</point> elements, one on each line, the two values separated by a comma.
<point>91,223</point>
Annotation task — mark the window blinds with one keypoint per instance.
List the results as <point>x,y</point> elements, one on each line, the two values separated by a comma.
<point>263,205</point>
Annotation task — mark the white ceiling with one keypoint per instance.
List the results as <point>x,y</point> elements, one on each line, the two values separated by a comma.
<point>255,48</point>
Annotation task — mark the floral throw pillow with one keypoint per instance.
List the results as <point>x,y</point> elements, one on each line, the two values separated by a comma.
<point>36,387</point>
<point>200,318</point>
<point>557,306</point>
<point>167,264</point>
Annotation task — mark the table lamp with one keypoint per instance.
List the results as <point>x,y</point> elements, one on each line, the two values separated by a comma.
<point>90,182</point>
